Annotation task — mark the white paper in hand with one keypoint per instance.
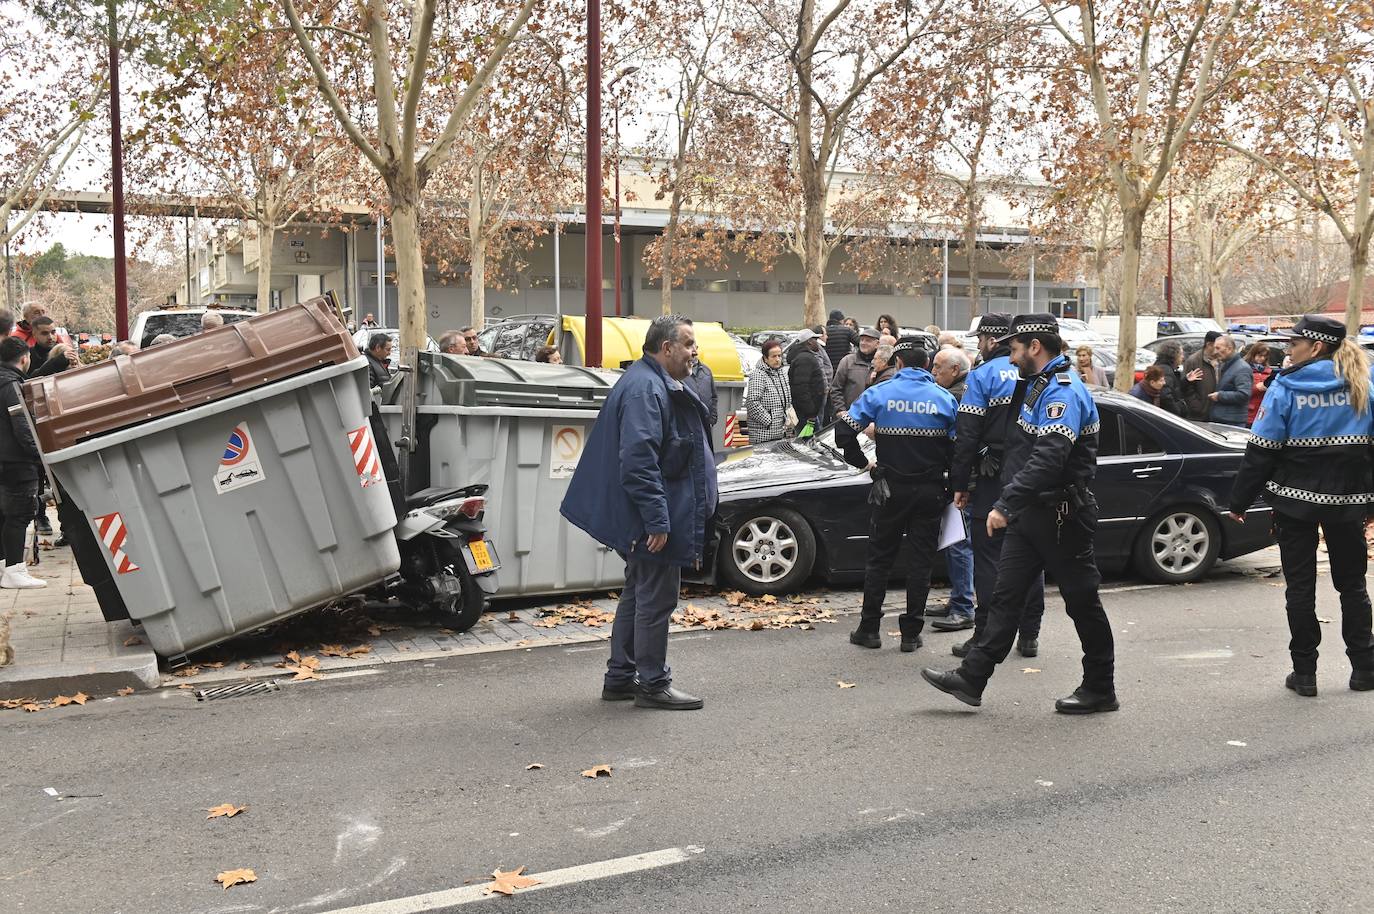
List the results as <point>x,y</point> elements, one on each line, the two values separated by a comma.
<point>952,528</point>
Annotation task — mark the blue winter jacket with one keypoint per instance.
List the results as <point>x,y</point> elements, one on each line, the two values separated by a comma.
<point>647,468</point>
<point>1235,379</point>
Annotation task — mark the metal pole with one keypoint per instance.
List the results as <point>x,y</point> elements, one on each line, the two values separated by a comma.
<point>617,208</point>
<point>592,354</point>
<point>381,270</point>
<point>121,276</point>
<point>557,271</point>
<point>186,223</point>
<point>944,287</point>
<point>1169,257</point>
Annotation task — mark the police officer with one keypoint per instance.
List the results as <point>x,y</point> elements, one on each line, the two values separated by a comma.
<point>976,476</point>
<point>913,419</point>
<point>1050,516</point>
<point>1309,452</point>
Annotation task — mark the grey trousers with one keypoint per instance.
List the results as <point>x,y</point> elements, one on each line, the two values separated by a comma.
<point>639,636</point>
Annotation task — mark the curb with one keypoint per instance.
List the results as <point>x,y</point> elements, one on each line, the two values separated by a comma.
<point>137,670</point>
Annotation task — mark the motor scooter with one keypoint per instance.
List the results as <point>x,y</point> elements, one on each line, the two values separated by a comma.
<point>448,566</point>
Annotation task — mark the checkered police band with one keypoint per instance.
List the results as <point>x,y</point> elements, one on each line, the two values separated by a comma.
<point>1035,328</point>
<point>1313,333</point>
<point>907,346</point>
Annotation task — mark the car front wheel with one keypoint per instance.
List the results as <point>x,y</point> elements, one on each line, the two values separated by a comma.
<point>1178,545</point>
<point>768,551</point>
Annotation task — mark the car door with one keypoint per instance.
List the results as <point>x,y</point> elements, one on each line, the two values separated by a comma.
<point>1133,468</point>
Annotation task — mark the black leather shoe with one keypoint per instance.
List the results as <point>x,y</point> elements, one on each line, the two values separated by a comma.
<point>44,526</point>
<point>865,639</point>
<point>1028,647</point>
<point>911,644</point>
<point>954,684</point>
<point>937,612</point>
<point>1362,680</point>
<point>1084,702</point>
<point>962,648</point>
<point>667,699</point>
<point>625,692</point>
<point>952,624</point>
<point>1304,685</point>
<point>60,541</point>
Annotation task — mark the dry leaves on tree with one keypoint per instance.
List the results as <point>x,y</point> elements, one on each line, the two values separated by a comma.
<point>236,877</point>
<point>227,810</point>
<point>509,882</point>
<point>597,771</point>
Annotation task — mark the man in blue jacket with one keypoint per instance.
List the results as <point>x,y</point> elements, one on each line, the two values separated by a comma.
<point>1231,399</point>
<point>645,486</point>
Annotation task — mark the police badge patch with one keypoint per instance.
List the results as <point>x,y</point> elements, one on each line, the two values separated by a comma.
<point>1054,411</point>
<point>1259,414</point>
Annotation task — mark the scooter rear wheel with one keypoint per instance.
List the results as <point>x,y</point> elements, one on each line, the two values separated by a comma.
<point>461,611</point>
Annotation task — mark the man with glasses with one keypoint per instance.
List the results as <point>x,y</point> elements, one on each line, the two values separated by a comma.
<point>470,336</point>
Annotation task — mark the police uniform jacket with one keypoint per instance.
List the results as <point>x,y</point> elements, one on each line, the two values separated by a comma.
<point>914,427</point>
<point>1053,443</point>
<point>1309,451</point>
<point>984,410</point>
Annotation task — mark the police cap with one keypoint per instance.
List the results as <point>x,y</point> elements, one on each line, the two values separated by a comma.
<point>1031,323</point>
<point>994,323</point>
<point>1319,328</point>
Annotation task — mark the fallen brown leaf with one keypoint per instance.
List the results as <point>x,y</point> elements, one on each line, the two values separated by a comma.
<point>294,657</point>
<point>227,810</point>
<point>358,651</point>
<point>332,650</point>
<point>236,877</point>
<point>513,617</point>
<point>845,685</point>
<point>509,882</point>
<point>245,665</point>
<point>187,671</point>
<point>61,701</point>
<point>127,690</point>
<point>185,685</point>
<point>597,771</point>
<point>132,640</point>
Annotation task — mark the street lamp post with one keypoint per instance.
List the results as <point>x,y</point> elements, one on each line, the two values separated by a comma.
<point>592,344</point>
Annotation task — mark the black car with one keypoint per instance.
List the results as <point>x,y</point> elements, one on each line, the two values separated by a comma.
<point>793,509</point>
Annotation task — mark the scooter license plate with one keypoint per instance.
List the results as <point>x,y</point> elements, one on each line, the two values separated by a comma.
<point>481,555</point>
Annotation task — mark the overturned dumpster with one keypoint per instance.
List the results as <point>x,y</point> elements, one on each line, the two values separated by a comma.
<point>518,427</point>
<point>224,479</point>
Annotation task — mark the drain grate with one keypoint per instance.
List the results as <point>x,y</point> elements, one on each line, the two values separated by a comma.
<point>236,691</point>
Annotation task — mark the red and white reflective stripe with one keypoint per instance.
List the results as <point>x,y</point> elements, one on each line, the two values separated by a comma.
<point>366,459</point>
<point>730,422</point>
<point>113,534</point>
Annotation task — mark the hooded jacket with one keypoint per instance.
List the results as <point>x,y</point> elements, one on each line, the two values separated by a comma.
<point>20,459</point>
<point>1309,451</point>
<point>647,469</point>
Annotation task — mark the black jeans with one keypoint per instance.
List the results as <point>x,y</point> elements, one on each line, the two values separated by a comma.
<point>18,501</point>
<point>1034,543</point>
<point>913,512</point>
<point>987,555</point>
<point>1298,552</point>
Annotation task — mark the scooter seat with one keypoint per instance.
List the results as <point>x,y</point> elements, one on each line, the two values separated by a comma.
<point>433,495</point>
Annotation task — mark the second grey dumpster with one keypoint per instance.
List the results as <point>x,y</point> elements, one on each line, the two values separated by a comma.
<point>519,428</point>
<point>250,508</point>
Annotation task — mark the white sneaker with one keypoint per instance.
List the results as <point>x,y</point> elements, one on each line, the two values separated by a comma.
<point>17,577</point>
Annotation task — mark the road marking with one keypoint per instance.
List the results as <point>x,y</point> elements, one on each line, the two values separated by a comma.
<point>621,866</point>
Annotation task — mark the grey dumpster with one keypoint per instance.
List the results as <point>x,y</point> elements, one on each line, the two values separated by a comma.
<point>247,509</point>
<point>517,427</point>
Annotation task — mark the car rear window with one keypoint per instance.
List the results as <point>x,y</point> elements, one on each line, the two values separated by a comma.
<point>179,325</point>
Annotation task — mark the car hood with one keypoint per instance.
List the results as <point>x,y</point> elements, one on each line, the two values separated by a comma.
<point>778,463</point>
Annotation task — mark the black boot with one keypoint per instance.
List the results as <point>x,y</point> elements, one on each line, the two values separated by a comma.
<point>953,683</point>
<point>1305,684</point>
<point>1083,701</point>
<point>865,639</point>
<point>1362,680</point>
<point>1028,647</point>
<point>911,632</point>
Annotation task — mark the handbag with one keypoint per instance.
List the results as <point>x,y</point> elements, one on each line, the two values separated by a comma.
<point>791,418</point>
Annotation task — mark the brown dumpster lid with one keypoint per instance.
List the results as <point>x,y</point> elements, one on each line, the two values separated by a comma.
<point>125,390</point>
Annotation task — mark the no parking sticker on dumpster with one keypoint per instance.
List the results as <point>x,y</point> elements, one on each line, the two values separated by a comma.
<point>238,465</point>
<point>566,450</point>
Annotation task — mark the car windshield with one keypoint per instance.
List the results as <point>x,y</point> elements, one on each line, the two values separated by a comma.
<point>180,324</point>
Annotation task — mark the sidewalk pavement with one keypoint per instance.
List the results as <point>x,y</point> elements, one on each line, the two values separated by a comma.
<point>63,645</point>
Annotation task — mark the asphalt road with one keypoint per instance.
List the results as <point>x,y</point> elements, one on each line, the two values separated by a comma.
<point>1213,789</point>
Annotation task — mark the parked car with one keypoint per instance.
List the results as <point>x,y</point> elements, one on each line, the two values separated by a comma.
<point>179,322</point>
<point>749,356</point>
<point>791,510</point>
<point>362,336</point>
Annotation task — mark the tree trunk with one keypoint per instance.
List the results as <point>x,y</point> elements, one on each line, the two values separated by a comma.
<point>1132,237</point>
<point>267,235</point>
<point>1218,298</point>
<point>971,251</point>
<point>410,271</point>
<point>1354,293</point>
<point>477,260</point>
<point>668,248</point>
<point>813,230</point>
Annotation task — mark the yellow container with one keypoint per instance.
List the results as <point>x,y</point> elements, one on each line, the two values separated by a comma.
<point>622,340</point>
